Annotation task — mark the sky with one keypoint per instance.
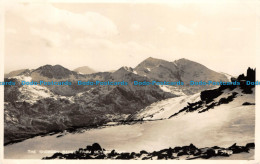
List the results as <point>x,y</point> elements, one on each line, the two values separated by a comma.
<point>106,36</point>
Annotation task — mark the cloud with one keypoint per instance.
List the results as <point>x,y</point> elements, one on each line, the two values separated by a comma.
<point>53,38</point>
<point>195,24</point>
<point>135,27</point>
<point>235,29</point>
<point>11,31</point>
<point>66,34</point>
<point>183,29</point>
<point>90,23</point>
<point>97,44</point>
<point>161,29</point>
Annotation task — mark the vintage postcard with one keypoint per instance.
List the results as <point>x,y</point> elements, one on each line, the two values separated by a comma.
<point>109,81</point>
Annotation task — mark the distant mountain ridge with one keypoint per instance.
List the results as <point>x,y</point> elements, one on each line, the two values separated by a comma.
<point>179,70</point>
<point>85,70</point>
<point>151,68</point>
<point>17,73</point>
<point>155,69</point>
<point>182,69</point>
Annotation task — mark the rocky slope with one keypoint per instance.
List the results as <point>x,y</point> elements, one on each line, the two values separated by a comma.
<point>17,73</point>
<point>232,95</point>
<point>32,110</point>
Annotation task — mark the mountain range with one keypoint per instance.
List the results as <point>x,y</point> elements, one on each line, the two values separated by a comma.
<point>34,110</point>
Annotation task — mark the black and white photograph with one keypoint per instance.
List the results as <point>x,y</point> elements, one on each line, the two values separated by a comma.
<point>128,80</point>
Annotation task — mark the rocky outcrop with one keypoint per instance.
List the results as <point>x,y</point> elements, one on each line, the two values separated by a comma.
<point>208,97</point>
<point>185,152</point>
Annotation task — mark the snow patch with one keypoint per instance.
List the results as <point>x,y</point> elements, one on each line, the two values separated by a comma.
<point>23,78</point>
<point>164,88</point>
<point>172,89</point>
<point>32,93</point>
<point>165,108</point>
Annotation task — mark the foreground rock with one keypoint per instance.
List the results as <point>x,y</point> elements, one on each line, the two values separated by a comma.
<point>185,153</point>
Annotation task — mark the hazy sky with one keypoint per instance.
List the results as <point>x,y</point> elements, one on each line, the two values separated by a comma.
<point>221,36</point>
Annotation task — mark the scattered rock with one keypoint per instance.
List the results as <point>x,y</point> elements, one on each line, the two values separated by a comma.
<point>248,103</point>
<point>250,145</point>
<point>185,152</point>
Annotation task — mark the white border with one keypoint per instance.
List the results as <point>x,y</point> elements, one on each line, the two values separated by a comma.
<point>29,161</point>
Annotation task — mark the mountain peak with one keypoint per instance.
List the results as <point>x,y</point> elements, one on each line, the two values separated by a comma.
<point>123,73</point>
<point>56,71</point>
<point>151,59</point>
<point>48,66</point>
<point>151,62</point>
<point>84,70</point>
<point>187,62</point>
<point>125,68</point>
<point>182,60</point>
